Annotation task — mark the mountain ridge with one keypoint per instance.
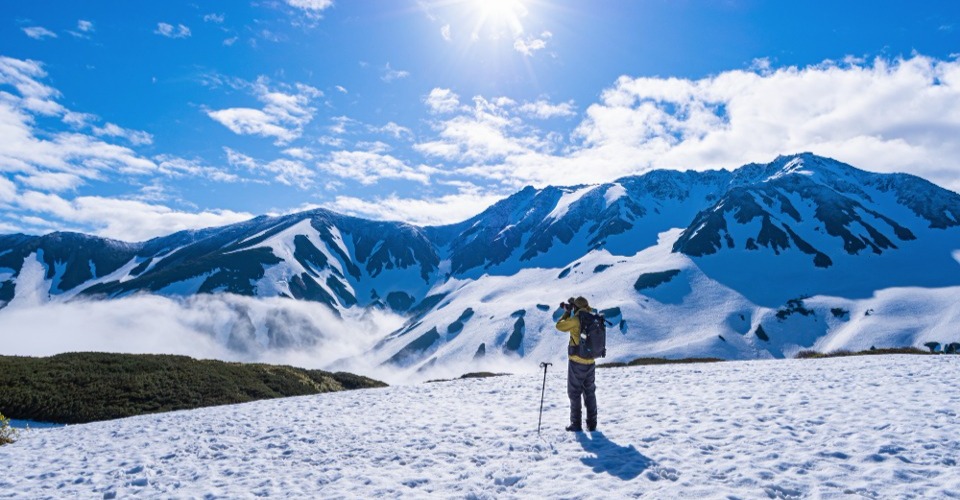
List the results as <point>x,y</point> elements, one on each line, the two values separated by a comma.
<point>761,235</point>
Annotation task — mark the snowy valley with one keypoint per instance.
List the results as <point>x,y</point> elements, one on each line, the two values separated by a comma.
<point>862,427</point>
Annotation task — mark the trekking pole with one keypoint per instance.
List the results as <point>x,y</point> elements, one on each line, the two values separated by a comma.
<point>543,365</point>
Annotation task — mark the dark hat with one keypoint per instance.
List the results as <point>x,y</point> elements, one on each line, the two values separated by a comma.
<point>581,303</point>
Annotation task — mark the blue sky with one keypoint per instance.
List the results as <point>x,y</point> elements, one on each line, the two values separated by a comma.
<point>136,119</point>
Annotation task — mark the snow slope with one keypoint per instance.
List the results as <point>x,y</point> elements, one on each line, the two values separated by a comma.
<point>870,427</point>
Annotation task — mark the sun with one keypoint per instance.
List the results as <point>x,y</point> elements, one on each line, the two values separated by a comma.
<point>496,15</point>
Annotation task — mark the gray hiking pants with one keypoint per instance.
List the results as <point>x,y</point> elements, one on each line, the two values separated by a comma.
<point>580,382</point>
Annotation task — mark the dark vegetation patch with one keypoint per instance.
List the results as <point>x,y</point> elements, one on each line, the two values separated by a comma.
<point>7,434</point>
<point>613,312</point>
<point>346,298</point>
<point>839,312</point>
<point>794,306</point>
<point>420,345</point>
<point>563,274</point>
<point>481,351</point>
<point>470,375</point>
<point>653,280</point>
<point>399,301</point>
<point>85,387</point>
<point>543,307</point>
<point>427,304</point>
<point>949,348</point>
<point>516,338</point>
<point>762,334</point>
<point>659,361</point>
<point>457,326</point>
<point>810,354</point>
<point>601,268</point>
<point>304,287</point>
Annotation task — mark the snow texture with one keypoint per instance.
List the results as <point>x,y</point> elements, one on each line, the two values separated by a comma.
<point>867,427</point>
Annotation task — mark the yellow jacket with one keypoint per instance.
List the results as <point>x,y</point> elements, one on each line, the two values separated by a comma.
<point>571,324</point>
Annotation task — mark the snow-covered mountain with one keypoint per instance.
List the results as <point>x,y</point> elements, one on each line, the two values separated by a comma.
<point>762,261</point>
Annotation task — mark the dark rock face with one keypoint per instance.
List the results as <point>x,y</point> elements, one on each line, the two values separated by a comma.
<point>837,198</point>
<point>417,348</point>
<point>652,280</point>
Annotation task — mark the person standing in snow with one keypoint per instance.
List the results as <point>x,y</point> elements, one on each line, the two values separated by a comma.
<point>580,371</point>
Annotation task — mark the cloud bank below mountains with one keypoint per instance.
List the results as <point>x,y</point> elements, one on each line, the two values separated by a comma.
<point>222,326</point>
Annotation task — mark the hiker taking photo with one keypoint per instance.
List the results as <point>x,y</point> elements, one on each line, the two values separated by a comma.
<point>587,331</point>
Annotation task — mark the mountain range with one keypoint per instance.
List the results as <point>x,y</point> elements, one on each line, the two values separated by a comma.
<point>762,261</point>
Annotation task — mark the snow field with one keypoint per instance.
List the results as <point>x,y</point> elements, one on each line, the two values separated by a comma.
<point>871,427</point>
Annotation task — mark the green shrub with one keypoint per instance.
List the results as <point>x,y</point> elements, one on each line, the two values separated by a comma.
<point>7,434</point>
<point>810,354</point>
<point>658,361</point>
<point>794,306</point>
<point>86,387</point>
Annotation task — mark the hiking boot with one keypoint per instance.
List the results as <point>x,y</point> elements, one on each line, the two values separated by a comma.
<point>591,425</point>
<point>574,428</point>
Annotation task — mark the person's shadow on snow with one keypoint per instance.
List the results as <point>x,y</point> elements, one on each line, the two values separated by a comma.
<point>623,462</point>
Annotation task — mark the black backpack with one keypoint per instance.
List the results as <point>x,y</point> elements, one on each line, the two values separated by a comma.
<point>593,335</point>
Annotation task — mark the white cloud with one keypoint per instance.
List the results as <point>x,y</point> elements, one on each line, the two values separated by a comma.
<point>283,116</point>
<point>288,172</point>
<point>136,137</point>
<point>397,131</point>
<point>56,161</point>
<point>442,101</point>
<point>341,123</point>
<point>23,75</point>
<point>888,115</point>
<point>446,209</point>
<point>445,32</point>
<point>230,41</point>
<point>8,191</point>
<point>191,326</point>
<point>176,167</point>
<point>390,75</point>
<point>171,31</point>
<point>530,44</point>
<point>39,32</point>
<point>127,220</point>
<point>213,18</point>
<point>488,133</point>
<point>84,29</point>
<point>299,153</point>
<point>78,154</point>
<point>544,109</point>
<point>340,89</point>
<point>311,7</point>
<point>368,167</point>
<point>882,115</point>
<point>247,121</point>
<point>51,181</point>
